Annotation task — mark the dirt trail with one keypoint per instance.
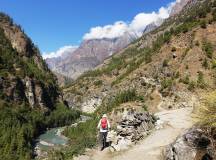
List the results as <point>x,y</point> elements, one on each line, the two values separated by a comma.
<point>176,121</point>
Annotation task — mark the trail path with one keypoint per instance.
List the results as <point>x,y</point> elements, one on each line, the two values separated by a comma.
<point>176,121</point>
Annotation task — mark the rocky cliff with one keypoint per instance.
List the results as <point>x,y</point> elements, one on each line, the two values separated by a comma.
<point>24,76</point>
<point>90,54</point>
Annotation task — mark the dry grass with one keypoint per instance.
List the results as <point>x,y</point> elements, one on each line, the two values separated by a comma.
<point>207,111</point>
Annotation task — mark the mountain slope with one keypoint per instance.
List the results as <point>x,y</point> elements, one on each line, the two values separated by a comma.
<point>171,67</point>
<point>24,75</point>
<point>30,99</point>
<point>93,52</point>
<point>90,53</point>
<point>139,62</point>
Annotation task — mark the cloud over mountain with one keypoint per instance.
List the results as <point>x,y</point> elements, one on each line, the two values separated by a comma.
<point>136,26</point>
<point>60,52</point>
<point>119,28</point>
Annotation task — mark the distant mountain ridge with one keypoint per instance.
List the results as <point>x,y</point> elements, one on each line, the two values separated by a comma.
<point>90,54</point>
<point>93,52</point>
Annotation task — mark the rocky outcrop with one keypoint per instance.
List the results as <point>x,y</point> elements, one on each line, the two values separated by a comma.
<point>193,145</point>
<point>90,54</point>
<point>91,105</point>
<point>21,42</point>
<point>85,103</point>
<point>28,90</point>
<point>24,76</point>
<point>133,127</point>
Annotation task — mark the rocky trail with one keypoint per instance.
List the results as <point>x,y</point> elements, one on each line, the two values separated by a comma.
<point>172,123</point>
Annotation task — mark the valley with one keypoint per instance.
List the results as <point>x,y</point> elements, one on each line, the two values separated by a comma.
<point>156,89</point>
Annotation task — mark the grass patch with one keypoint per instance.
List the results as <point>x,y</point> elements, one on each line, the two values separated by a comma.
<point>208,49</point>
<point>81,137</point>
<point>121,97</point>
<point>85,134</point>
<point>98,82</point>
<point>207,110</point>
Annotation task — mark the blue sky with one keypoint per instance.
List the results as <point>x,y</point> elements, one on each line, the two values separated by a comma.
<point>52,24</point>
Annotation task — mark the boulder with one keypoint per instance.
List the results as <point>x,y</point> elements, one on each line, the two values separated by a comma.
<point>130,129</point>
<point>190,146</point>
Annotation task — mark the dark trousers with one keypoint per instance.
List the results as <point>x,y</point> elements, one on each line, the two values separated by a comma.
<point>103,137</point>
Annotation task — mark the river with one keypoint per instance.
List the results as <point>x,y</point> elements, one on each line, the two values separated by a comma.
<point>53,138</point>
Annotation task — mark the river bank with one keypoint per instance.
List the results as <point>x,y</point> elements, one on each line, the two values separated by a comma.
<point>53,139</point>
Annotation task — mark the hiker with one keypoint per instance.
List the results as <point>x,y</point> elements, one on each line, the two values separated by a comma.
<point>104,127</point>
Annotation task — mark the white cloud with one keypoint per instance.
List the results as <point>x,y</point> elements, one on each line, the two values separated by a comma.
<point>108,31</point>
<point>60,52</point>
<point>137,25</point>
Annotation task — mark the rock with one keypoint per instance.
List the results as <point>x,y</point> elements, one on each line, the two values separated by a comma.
<point>159,124</point>
<point>130,129</point>
<point>74,125</point>
<point>38,95</point>
<point>193,143</point>
<point>197,139</point>
<point>174,55</point>
<point>115,72</point>
<point>91,104</point>
<point>144,81</point>
<point>29,92</point>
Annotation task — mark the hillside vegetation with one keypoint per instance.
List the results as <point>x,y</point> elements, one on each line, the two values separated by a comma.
<point>175,61</point>
<point>30,99</point>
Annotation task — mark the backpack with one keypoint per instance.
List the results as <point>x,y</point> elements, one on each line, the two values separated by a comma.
<point>104,123</point>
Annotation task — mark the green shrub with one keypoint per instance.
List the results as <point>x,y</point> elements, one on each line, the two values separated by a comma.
<point>205,63</point>
<point>200,80</point>
<point>185,53</point>
<point>98,82</point>
<point>81,137</point>
<point>165,63</point>
<point>173,49</point>
<point>166,83</point>
<point>62,116</point>
<point>121,97</point>
<point>185,29</point>
<point>208,49</point>
<point>202,13</point>
<point>145,108</point>
<point>191,85</point>
<point>214,64</point>
<point>214,15</point>
<point>203,24</point>
<point>197,43</point>
<point>185,80</point>
<point>91,73</point>
<point>177,74</point>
